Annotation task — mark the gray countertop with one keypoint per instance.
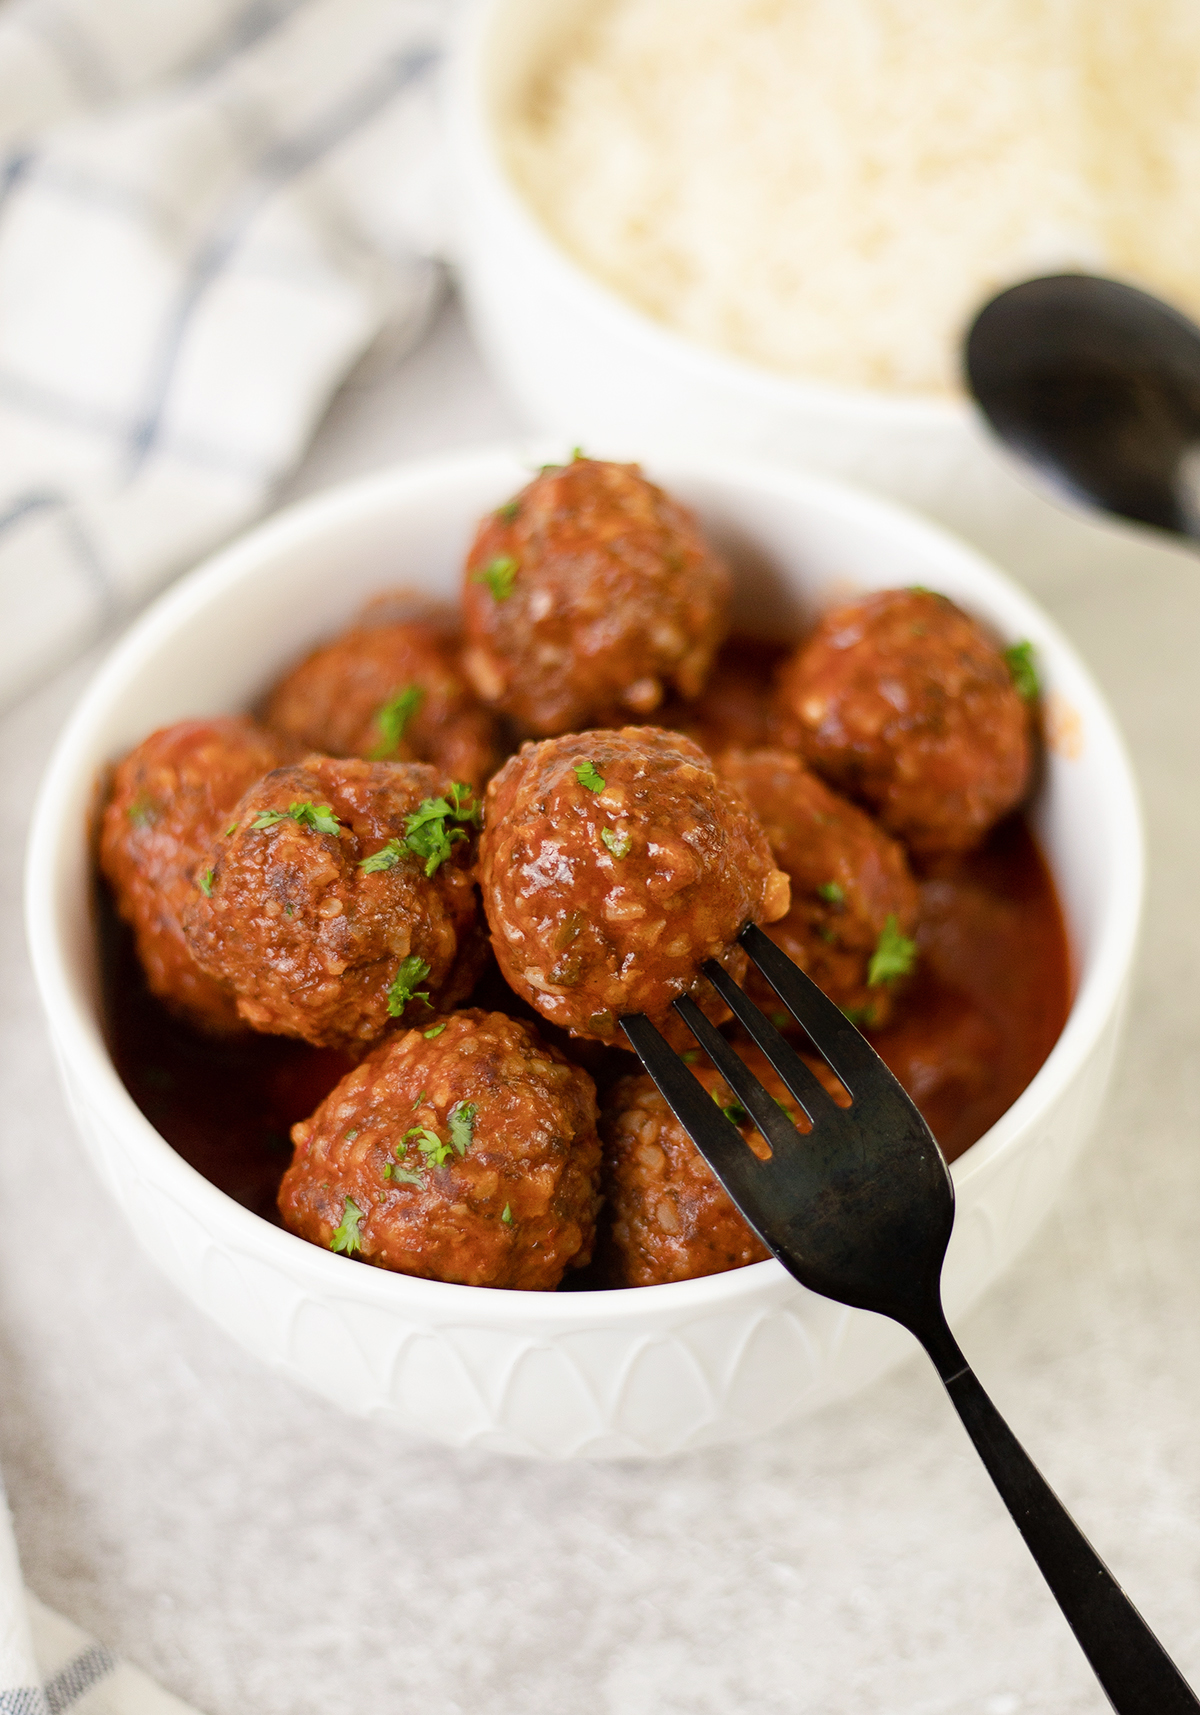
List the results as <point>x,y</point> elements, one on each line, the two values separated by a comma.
<point>259,1553</point>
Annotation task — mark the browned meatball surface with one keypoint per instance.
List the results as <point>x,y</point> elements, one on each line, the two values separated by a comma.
<point>170,798</point>
<point>464,1150</point>
<point>854,902</point>
<point>613,865</point>
<point>388,692</point>
<point>903,702</point>
<point>330,912</point>
<point>667,1217</point>
<point>589,597</point>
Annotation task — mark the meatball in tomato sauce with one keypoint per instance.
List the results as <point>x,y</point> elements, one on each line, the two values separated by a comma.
<point>589,598</point>
<point>904,703</point>
<point>854,901</point>
<point>667,1216</point>
<point>170,798</point>
<point>465,1150</point>
<point>388,693</point>
<point>613,865</point>
<point>340,899</point>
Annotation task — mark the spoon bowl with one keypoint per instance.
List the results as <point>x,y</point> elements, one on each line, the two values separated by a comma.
<point>1097,386</point>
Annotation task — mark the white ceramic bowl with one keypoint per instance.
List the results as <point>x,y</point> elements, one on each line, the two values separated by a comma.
<point>580,361</point>
<point>647,1371</point>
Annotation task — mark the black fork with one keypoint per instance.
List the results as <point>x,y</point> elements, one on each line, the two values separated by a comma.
<point>860,1209</point>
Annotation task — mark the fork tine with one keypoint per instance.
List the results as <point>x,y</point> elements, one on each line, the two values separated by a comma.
<point>719,1142</point>
<point>830,1031</point>
<point>771,1120</point>
<point>804,1084</point>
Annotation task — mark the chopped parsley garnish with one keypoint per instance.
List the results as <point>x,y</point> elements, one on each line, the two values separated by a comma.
<point>506,1215</point>
<point>894,955</point>
<point>143,812</point>
<point>1019,657</point>
<point>204,883</point>
<point>781,1020</point>
<point>434,1030</point>
<point>436,1152</point>
<point>832,893</point>
<point>618,844</point>
<point>231,829</point>
<point>420,1099</point>
<point>576,454</point>
<point>508,511</point>
<point>585,773</point>
<point>690,1056</point>
<point>351,1134</point>
<point>319,817</point>
<point>859,1015</point>
<point>427,831</point>
<point>405,1175</point>
<point>384,858</point>
<point>734,1112</point>
<point>404,985</point>
<point>392,718</point>
<point>345,1238</point>
<point>462,1126</point>
<point>498,576</point>
<point>289,911</point>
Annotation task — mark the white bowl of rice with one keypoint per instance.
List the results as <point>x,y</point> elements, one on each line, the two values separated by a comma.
<point>762,226</point>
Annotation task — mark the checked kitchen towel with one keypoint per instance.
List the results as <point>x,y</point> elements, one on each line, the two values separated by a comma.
<point>209,210</point>
<point>49,1667</point>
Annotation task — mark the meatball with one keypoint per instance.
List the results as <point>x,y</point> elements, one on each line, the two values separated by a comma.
<point>388,692</point>
<point>668,1217</point>
<point>465,1150</point>
<point>170,798</point>
<point>588,598</point>
<point>341,898</point>
<point>613,865</point>
<point>854,902</point>
<point>903,702</point>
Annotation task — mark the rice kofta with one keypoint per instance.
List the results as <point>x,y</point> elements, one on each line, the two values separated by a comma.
<point>588,598</point>
<point>388,692</point>
<point>340,898</point>
<point>462,1150</point>
<point>903,702</point>
<point>169,799</point>
<point>613,865</point>
<point>334,877</point>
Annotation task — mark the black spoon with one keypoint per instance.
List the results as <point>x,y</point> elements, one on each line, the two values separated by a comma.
<point>1097,385</point>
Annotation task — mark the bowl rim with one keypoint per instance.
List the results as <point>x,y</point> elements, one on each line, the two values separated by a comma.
<point>480,159</point>
<point>74,1018</point>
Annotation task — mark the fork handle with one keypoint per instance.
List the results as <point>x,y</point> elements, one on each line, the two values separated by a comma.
<point>1138,1676</point>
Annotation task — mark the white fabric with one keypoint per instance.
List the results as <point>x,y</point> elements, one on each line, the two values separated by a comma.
<point>209,209</point>
<point>50,1667</point>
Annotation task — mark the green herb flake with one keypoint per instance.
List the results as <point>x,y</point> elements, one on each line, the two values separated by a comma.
<point>434,1030</point>
<point>832,893</point>
<point>781,1020</point>
<point>428,832</point>
<point>346,1237</point>
<point>404,985</point>
<point>618,844</point>
<point>432,1147</point>
<point>510,510</point>
<point>392,717</point>
<point>385,858</point>
<point>577,453</point>
<point>1019,657</point>
<point>894,955</point>
<point>690,1056</point>
<point>289,911</point>
<point>462,1125</point>
<point>351,1134</point>
<point>498,576</point>
<point>403,1175</point>
<point>319,817</point>
<point>204,883</point>
<point>231,829</point>
<point>506,1215</point>
<point>734,1112</point>
<point>143,812</point>
<point>585,773</point>
<point>420,1099</point>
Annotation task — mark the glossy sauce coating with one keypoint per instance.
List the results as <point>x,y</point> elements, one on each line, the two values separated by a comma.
<point>309,940</point>
<point>588,599</point>
<point>170,797</point>
<point>613,864</point>
<point>462,1151</point>
<point>903,702</point>
<point>849,880</point>
<point>389,692</point>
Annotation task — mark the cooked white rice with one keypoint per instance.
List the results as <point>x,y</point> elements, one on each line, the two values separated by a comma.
<point>830,187</point>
